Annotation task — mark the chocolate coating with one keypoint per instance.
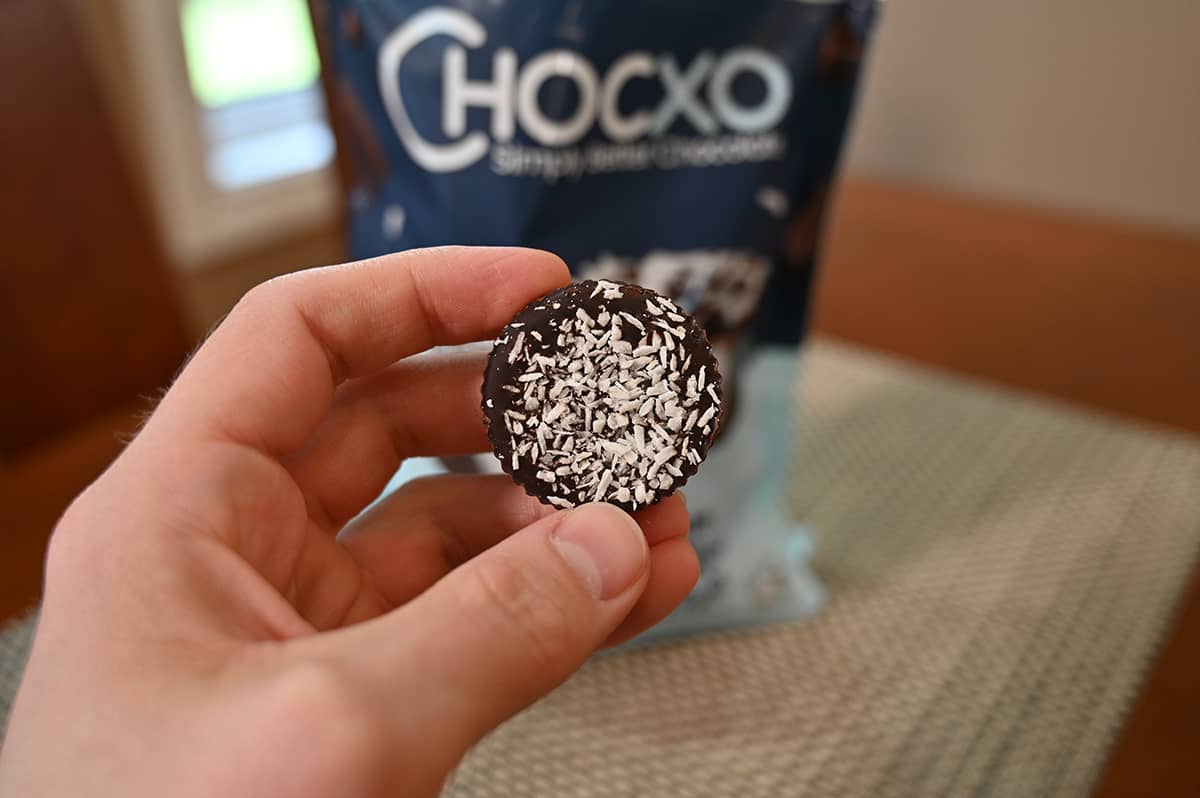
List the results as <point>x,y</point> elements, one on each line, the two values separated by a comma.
<point>602,391</point>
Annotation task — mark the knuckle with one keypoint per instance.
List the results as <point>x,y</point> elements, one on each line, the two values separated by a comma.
<point>521,606</point>
<point>343,736</point>
<point>76,541</point>
<point>64,553</point>
<point>265,296</point>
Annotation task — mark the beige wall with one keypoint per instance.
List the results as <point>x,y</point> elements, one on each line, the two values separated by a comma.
<point>1086,105</point>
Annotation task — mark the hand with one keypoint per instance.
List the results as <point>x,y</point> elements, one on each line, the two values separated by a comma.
<point>218,618</point>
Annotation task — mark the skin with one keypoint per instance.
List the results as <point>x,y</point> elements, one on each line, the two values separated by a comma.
<point>220,619</point>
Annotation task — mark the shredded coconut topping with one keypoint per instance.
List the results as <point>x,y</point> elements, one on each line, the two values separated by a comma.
<point>607,408</point>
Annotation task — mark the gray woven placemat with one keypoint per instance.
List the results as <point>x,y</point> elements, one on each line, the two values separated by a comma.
<point>15,638</point>
<point>1001,569</point>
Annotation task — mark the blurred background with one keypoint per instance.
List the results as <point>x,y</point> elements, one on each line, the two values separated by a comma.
<point>1019,202</point>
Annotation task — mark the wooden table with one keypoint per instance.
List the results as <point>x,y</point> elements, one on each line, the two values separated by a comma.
<point>1094,313</point>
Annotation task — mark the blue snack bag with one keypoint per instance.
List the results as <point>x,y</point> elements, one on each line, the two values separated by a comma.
<point>684,146</point>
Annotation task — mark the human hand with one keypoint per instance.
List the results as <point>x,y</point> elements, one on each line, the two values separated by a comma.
<point>219,620</point>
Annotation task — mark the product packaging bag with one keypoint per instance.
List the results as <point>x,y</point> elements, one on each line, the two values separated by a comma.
<point>685,145</point>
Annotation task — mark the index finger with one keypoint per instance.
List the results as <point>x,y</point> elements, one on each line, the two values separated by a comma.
<point>267,375</point>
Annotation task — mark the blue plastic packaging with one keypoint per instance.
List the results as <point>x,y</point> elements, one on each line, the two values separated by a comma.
<point>686,146</point>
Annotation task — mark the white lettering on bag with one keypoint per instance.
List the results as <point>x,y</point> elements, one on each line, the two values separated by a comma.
<point>699,93</point>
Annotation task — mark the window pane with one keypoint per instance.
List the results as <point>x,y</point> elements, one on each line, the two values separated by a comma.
<point>244,49</point>
<point>254,70</point>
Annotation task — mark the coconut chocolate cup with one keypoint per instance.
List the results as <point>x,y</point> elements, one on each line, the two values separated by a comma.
<point>602,391</point>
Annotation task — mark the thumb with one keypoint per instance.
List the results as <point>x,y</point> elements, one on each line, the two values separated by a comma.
<point>507,627</point>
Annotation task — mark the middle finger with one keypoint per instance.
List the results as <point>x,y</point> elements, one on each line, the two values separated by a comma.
<point>420,533</point>
<point>424,405</point>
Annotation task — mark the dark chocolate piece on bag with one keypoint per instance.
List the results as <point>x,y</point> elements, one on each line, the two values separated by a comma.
<point>602,391</point>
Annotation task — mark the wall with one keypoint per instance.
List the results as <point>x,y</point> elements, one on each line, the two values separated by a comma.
<point>1082,105</point>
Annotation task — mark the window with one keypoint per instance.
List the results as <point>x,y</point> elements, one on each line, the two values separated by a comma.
<point>254,70</point>
<point>231,122</point>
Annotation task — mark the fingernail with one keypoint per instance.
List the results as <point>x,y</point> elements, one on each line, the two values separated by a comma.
<point>604,547</point>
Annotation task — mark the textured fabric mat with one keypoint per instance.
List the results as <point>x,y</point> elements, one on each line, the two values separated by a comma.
<point>15,638</point>
<point>1000,568</point>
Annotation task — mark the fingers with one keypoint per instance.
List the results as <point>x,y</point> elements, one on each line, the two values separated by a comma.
<point>503,629</point>
<point>267,375</point>
<point>430,526</point>
<point>423,405</point>
<point>665,520</point>
<point>404,545</point>
<point>674,569</point>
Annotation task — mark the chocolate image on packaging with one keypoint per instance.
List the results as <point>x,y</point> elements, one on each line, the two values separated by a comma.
<point>722,289</point>
<point>602,391</point>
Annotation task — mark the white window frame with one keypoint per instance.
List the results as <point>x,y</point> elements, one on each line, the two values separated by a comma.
<point>200,223</point>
